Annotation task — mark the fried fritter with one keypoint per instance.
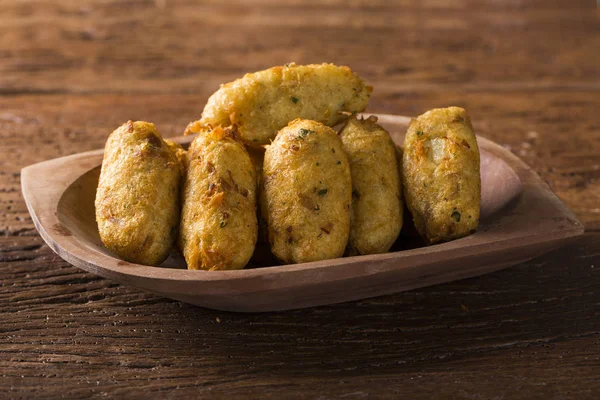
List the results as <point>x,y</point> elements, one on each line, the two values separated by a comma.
<point>306,193</point>
<point>218,220</point>
<point>137,201</point>
<point>376,189</point>
<point>440,174</point>
<point>261,103</point>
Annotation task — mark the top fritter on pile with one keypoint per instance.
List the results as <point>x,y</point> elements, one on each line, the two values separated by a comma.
<point>261,103</point>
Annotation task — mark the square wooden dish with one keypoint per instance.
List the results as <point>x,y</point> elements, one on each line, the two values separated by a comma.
<point>521,219</point>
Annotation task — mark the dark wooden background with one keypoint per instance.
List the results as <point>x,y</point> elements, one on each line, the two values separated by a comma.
<point>527,71</point>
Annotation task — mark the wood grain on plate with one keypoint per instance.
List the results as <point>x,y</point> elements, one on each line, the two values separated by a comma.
<point>60,196</point>
<point>70,72</point>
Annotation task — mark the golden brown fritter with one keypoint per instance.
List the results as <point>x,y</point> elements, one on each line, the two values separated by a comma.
<point>137,202</point>
<point>440,174</point>
<point>376,189</point>
<point>218,221</point>
<point>261,103</point>
<point>306,193</point>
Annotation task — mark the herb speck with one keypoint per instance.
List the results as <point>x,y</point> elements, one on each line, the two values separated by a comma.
<point>294,99</point>
<point>456,216</point>
<point>322,192</point>
<point>303,133</point>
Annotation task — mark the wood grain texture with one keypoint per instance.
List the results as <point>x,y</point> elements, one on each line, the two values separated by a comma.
<point>70,72</point>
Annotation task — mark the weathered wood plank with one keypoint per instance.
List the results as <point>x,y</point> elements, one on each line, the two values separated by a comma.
<point>142,47</point>
<point>75,329</point>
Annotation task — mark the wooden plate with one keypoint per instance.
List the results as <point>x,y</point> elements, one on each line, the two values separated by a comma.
<point>521,219</point>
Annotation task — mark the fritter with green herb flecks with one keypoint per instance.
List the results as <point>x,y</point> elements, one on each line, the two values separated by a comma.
<point>137,201</point>
<point>306,193</point>
<point>376,189</point>
<point>440,174</point>
<point>261,103</point>
<point>218,220</point>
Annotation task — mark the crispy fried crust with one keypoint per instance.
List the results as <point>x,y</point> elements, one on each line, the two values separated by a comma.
<point>306,193</point>
<point>376,189</point>
<point>261,103</point>
<point>137,201</point>
<point>440,174</point>
<point>218,221</point>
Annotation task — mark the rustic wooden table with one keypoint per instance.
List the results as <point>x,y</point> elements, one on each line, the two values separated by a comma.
<point>527,71</point>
